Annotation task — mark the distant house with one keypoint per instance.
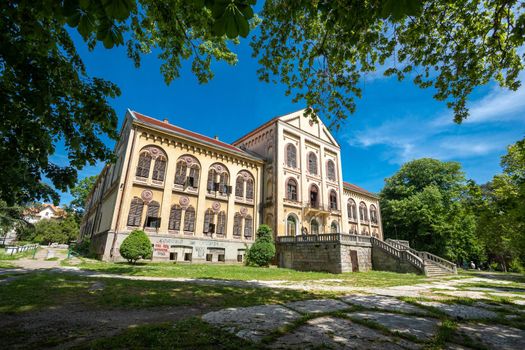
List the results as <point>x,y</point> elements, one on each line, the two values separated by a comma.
<point>45,211</point>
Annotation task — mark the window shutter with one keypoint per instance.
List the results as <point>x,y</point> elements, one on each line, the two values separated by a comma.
<point>189,220</point>
<point>249,189</point>
<point>239,187</point>
<point>237,224</point>
<point>248,227</point>
<point>159,169</point>
<point>175,218</point>
<point>135,212</point>
<point>194,173</point>
<point>208,216</point>
<point>180,173</point>
<point>143,165</point>
<point>153,209</point>
<point>211,181</point>
<point>221,223</point>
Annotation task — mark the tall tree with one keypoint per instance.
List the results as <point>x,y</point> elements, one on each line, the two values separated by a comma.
<point>46,94</point>
<point>422,203</point>
<point>500,207</point>
<point>80,193</point>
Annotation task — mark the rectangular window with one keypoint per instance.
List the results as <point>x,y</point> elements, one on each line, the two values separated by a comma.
<point>211,228</point>
<point>209,257</point>
<point>187,256</point>
<point>220,257</point>
<point>152,222</point>
<point>173,256</point>
<point>239,258</point>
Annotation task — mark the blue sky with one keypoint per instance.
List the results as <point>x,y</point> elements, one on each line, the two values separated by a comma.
<point>395,122</point>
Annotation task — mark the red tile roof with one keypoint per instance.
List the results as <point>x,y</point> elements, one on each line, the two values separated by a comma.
<point>356,188</point>
<point>191,134</point>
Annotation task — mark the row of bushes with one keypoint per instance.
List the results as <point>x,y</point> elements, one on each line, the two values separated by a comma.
<point>138,246</point>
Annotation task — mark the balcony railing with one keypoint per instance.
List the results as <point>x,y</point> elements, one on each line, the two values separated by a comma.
<point>324,238</point>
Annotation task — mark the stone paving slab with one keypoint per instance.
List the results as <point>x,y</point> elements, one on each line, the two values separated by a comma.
<point>494,336</point>
<point>382,302</point>
<point>465,294</point>
<point>254,322</point>
<point>461,311</point>
<point>336,333</point>
<point>420,327</point>
<point>396,292</point>
<point>317,306</point>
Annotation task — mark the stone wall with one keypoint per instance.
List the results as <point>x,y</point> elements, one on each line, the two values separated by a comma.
<point>383,261</point>
<point>328,257</point>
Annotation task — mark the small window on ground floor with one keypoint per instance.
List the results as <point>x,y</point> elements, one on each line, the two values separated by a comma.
<point>221,257</point>
<point>209,257</point>
<point>240,258</point>
<point>187,257</point>
<point>173,256</point>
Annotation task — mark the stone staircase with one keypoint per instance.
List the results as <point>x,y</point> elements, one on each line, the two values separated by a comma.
<point>427,263</point>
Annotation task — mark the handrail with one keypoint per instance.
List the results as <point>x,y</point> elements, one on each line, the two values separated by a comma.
<point>403,254</point>
<point>438,260</point>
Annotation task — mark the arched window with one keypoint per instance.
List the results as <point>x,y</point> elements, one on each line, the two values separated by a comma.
<point>352,210</point>
<point>330,170</point>
<point>180,172</point>
<point>189,220</point>
<point>237,224</point>
<point>175,217</point>
<point>314,227</point>
<point>249,189</point>
<point>333,227</point>
<point>291,156</point>
<point>373,214</point>
<point>239,187</point>
<point>314,196</point>
<point>135,212</point>
<point>159,169</point>
<point>312,163</point>
<point>221,223</point>
<point>143,165</point>
<point>152,219</point>
<point>291,189</point>
<point>363,212</point>
<point>291,226</point>
<point>223,183</point>
<point>333,200</point>
<point>248,227</point>
<point>209,227</point>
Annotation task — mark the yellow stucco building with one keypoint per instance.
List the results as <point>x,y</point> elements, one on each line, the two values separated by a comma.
<point>200,199</point>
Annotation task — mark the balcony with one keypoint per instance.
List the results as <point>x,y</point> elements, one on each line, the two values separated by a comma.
<point>326,238</point>
<point>319,208</point>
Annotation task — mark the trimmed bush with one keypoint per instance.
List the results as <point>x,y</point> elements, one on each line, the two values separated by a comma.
<point>262,251</point>
<point>136,246</point>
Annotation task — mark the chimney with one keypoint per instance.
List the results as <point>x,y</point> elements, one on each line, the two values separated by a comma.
<point>166,121</point>
<point>216,137</point>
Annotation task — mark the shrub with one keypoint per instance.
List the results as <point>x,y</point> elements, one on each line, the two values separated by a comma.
<point>83,248</point>
<point>136,246</point>
<point>262,251</point>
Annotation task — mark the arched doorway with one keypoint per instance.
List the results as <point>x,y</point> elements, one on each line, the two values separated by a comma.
<point>291,225</point>
<point>314,227</point>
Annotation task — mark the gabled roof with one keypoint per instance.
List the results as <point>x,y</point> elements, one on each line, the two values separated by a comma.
<point>190,134</point>
<point>355,188</point>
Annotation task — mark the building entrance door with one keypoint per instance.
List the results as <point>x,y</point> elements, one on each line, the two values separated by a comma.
<point>354,261</point>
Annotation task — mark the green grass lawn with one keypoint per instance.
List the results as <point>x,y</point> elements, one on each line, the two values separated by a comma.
<point>50,290</point>
<point>26,254</point>
<point>247,273</point>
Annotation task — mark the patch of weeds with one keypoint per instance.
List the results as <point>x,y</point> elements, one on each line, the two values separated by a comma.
<point>6,265</point>
<point>444,334</point>
<point>192,333</point>
<point>55,258</point>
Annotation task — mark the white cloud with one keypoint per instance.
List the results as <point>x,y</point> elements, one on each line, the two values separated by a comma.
<point>411,137</point>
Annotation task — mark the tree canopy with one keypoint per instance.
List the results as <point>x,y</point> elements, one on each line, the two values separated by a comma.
<point>422,203</point>
<point>320,50</point>
<point>80,193</point>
